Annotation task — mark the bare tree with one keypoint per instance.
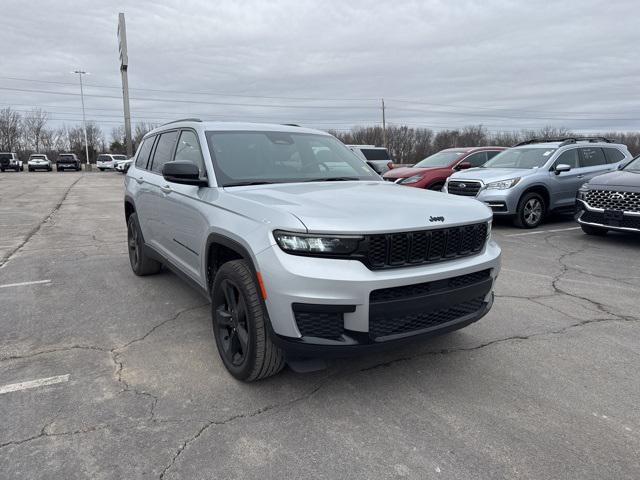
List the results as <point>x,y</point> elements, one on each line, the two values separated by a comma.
<point>33,127</point>
<point>142,128</point>
<point>9,129</point>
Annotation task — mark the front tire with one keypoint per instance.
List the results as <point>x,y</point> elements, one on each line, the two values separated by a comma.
<point>141,263</point>
<point>240,325</point>
<point>531,211</point>
<point>590,230</point>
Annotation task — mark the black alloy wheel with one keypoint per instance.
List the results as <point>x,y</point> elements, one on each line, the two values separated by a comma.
<point>232,323</point>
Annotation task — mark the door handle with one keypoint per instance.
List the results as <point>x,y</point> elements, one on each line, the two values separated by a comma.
<point>140,179</point>
<point>166,189</point>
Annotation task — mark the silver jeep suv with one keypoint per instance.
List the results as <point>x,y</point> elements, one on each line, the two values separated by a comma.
<point>536,177</point>
<point>301,247</point>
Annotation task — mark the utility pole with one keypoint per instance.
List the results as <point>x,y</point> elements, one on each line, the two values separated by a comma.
<point>384,127</point>
<point>124,64</point>
<point>84,119</point>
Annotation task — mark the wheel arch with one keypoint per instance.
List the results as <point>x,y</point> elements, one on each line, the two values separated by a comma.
<point>541,190</point>
<point>221,249</point>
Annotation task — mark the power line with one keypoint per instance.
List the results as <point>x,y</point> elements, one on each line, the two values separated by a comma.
<point>218,94</point>
<point>366,99</point>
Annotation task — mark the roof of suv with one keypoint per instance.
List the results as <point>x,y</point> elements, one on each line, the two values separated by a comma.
<point>235,127</point>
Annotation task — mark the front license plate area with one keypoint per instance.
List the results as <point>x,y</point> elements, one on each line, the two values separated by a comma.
<point>613,217</point>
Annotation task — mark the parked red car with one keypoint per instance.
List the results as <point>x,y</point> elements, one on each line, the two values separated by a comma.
<point>433,171</point>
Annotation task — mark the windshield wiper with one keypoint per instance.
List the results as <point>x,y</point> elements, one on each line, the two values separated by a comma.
<point>333,179</point>
<point>246,184</point>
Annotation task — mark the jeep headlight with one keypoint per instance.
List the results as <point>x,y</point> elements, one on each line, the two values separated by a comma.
<point>316,244</point>
<point>503,184</point>
<point>412,179</point>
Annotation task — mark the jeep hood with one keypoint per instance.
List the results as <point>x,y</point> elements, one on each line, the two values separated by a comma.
<point>619,178</point>
<point>362,207</point>
<point>493,174</point>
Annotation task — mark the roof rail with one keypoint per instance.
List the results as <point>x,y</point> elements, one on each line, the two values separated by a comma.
<point>565,140</point>
<point>182,120</point>
<point>290,125</point>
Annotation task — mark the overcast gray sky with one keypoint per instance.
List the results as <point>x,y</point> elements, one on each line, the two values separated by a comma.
<point>438,64</point>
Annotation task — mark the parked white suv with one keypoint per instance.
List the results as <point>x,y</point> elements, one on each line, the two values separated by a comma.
<point>39,161</point>
<point>10,161</point>
<point>108,161</point>
<point>301,247</point>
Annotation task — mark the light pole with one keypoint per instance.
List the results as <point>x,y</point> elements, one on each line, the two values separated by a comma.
<point>84,119</point>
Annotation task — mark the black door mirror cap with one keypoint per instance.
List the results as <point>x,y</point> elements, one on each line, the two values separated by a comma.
<point>183,172</point>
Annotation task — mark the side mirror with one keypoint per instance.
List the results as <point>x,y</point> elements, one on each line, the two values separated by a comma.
<point>183,172</point>
<point>563,167</point>
<point>463,166</point>
<point>621,165</point>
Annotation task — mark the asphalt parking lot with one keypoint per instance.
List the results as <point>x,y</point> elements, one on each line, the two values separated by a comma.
<point>545,386</point>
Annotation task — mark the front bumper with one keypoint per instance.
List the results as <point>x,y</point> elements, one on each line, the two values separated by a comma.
<point>501,202</point>
<point>596,217</point>
<point>345,286</point>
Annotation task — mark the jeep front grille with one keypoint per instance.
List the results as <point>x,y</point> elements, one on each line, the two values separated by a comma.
<point>417,248</point>
<point>613,200</point>
<point>467,188</point>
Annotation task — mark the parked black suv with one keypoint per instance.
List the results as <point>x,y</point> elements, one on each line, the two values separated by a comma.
<point>611,201</point>
<point>68,161</point>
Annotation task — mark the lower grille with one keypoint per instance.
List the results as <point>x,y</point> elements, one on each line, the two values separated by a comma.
<point>320,324</point>
<point>465,188</point>
<point>393,325</point>
<point>408,291</point>
<point>628,221</point>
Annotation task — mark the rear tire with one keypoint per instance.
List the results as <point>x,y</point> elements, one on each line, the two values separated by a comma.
<point>598,231</point>
<point>141,263</point>
<point>240,324</point>
<point>531,211</point>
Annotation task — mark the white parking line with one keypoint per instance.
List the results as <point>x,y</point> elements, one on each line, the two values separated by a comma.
<point>22,284</point>
<point>41,382</point>
<point>542,231</point>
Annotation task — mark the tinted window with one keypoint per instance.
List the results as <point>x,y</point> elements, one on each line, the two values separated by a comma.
<point>280,157</point>
<point>592,156</point>
<point>6,156</point>
<point>375,153</point>
<point>613,155</point>
<point>476,159</point>
<point>570,157</point>
<point>492,153</point>
<point>104,158</point>
<point>164,151</point>
<point>143,153</point>
<point>189,149</point>
<point>119,157</point>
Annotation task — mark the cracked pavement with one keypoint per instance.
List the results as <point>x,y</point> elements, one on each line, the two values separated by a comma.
<point>545,386</point>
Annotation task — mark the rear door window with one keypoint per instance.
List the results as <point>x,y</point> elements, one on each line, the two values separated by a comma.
<point>143,155</point>
<point>592,157</point>
<point>492,153</point>
<point>164,151</point>
<point>613,155</point>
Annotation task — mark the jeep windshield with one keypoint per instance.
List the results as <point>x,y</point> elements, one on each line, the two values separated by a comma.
<point>254,158</point>
<point>440,159</point>
<point>524,158</point>
<point>6,156</point>
<point>633,165</point>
